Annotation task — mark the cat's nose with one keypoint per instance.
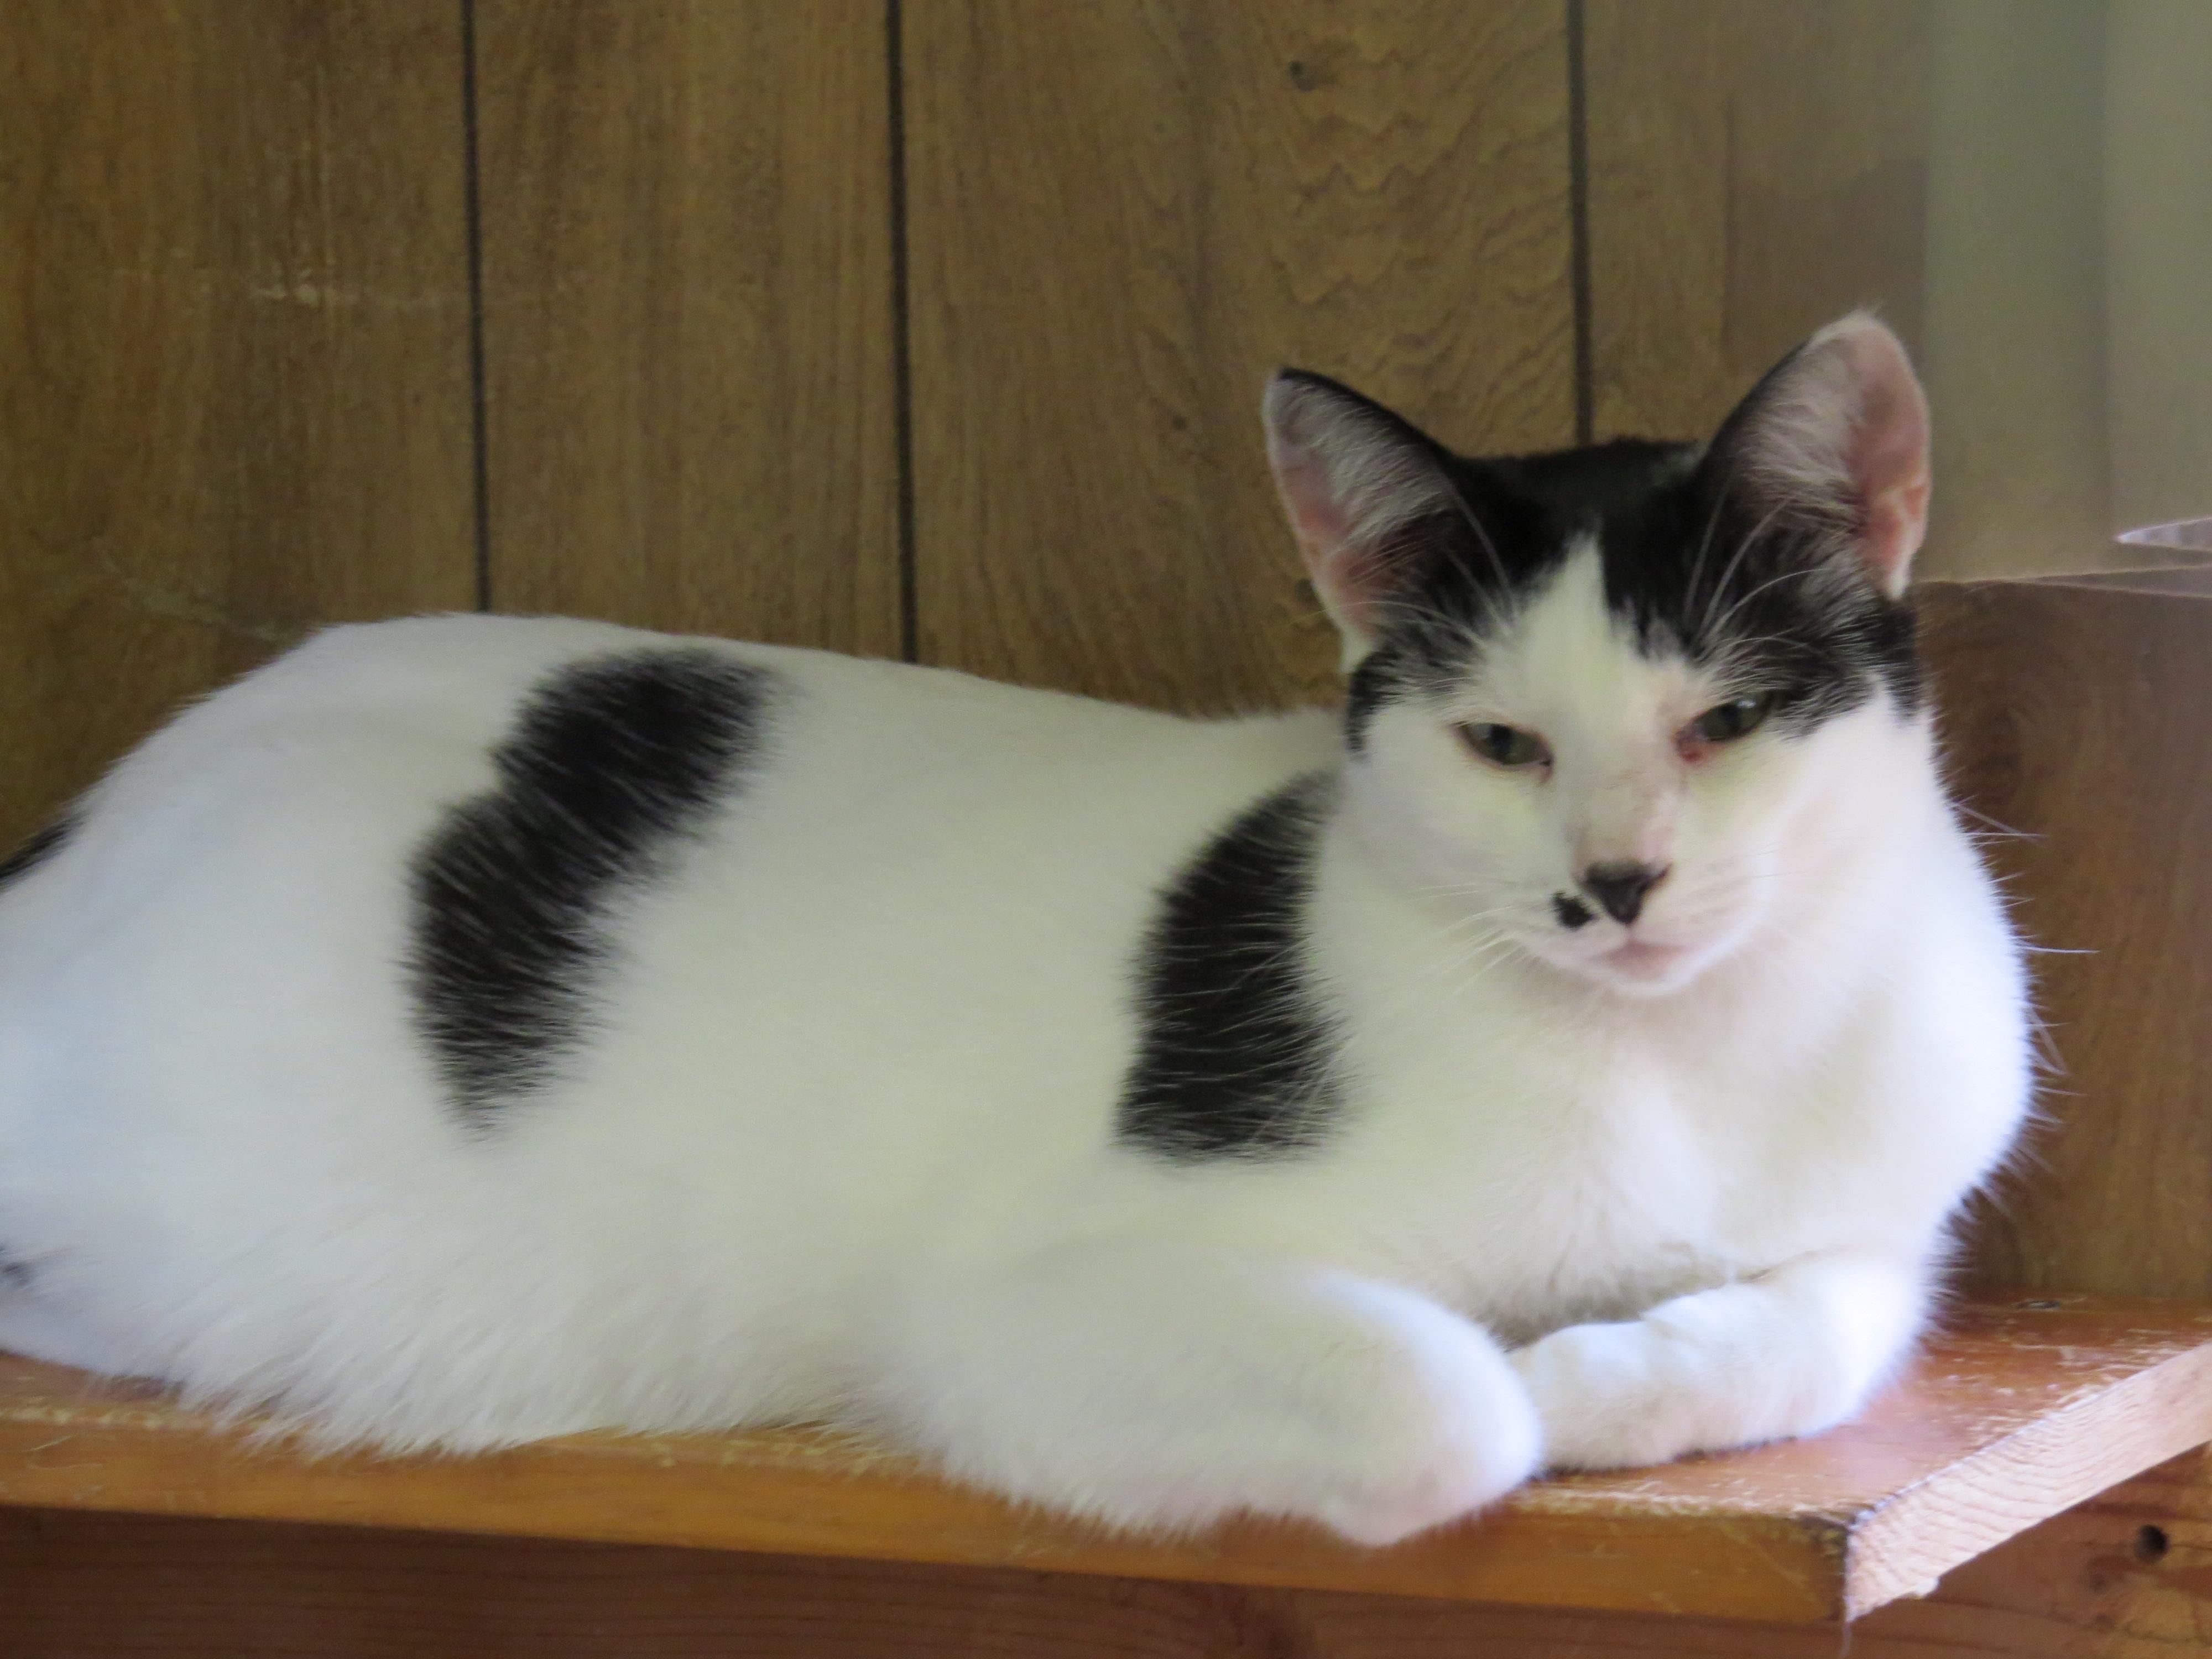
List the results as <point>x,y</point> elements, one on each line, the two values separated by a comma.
<point>1620,887</point>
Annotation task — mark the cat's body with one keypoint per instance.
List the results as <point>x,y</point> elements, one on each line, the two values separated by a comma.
<point>469,1029</point>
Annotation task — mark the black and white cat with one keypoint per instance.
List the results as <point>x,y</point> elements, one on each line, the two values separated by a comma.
<point>467,1029</point>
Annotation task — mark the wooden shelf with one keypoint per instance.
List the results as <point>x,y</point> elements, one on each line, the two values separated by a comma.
<point>2019,1409</point>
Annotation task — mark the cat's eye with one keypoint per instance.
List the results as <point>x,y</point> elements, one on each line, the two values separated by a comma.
<point>1725,722</point>
<point>1508,746</point>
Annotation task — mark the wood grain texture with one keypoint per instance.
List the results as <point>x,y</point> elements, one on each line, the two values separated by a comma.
<point>1755,170</point>
<point>687,329</point>
<point>2126,1575</point>
<point>2075,718</point>
<point>2015,1413</point>
<point>1123,216</point>
<point>233,361</point>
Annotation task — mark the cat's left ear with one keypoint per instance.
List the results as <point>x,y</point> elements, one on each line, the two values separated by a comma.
<point>1355,481</point>
<point>1835,438</point>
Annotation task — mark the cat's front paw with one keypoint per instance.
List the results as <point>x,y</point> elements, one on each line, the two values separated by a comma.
<point>1159,1388</point>
<point>1429,1436</point>
<point>1621,1395</point>
<point>1604,1399</point>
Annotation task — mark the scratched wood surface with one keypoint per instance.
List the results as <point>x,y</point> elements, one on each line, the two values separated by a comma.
<point>688,332</point>
<point>2015,1413</point>
<point>2075,716</point>
<point>233,360</point>
<point>1122,217</point>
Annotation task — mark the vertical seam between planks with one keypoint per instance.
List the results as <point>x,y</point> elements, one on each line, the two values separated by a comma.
<point>1579,220</point>
<point>902,348</point>
<point>473,198</point>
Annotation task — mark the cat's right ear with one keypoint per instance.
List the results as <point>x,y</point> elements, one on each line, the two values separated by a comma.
<point>1835,438</point>
<point>1353,478</point>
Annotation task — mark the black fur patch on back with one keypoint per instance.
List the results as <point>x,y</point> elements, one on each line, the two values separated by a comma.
<point>612,764</point>
<point>15,1274</point>
<point>1236,1053</point>
<point>41,846</point>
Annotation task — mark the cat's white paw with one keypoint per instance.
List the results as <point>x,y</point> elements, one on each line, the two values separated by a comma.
<point>1606,1400</point>
<point>1621,1395</point>
<point>1154,1387</point>
<point>1452,1433</point>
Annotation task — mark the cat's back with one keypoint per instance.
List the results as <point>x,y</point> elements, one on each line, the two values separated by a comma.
<point>366,727</point>
<point>375,894</point>
<point>459,684</point>
<point>466,961</point>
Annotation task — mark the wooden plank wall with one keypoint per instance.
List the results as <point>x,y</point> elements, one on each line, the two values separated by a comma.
<point>919,327</point>
<point>234,351</point>
<point>688,341</point>
<point>1754,171</point>
<point>1123,218</point>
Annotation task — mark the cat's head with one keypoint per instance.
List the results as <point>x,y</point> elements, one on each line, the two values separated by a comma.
<point>1610,699</point>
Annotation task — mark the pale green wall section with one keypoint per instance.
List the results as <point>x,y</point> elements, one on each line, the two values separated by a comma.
<point>2158,215</point>
<point>2015,341</point>
<point>2068,322</point>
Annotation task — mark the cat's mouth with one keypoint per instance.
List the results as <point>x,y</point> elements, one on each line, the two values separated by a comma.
<point>1648,966</point>
<point>1646,958</point>
<point>1635,965</point>
<point>1644,968</point>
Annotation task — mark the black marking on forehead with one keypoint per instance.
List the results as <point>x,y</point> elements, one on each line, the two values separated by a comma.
<point>1768,603</point>
<point>613,764</point>
<point>1687,566</point>
<point>1235,1054</point>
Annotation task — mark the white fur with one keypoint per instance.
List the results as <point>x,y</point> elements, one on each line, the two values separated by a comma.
<point>842,1145</point>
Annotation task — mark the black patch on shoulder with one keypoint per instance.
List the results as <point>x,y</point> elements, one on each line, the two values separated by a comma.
<point>1236,1057</point>
<point>612,764</point>
<point>34,852</point>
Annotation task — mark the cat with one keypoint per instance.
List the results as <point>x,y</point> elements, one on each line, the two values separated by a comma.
<point>466,1029</point>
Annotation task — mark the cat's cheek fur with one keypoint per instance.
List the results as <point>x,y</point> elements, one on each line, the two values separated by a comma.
<point>1144,1381</point>
<point>1462,833</point>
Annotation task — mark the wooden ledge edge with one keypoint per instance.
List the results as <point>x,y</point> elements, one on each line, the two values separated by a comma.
<point>1902,1545</point>
<point>2025,1408</point>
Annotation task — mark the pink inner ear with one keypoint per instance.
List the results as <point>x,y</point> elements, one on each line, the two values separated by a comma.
<point>1349,473</point>
<point>1888,453</point>
<point>1348,579</point>
<point>1315,519</point>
